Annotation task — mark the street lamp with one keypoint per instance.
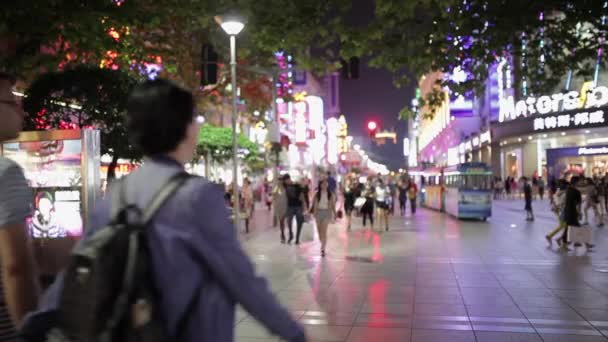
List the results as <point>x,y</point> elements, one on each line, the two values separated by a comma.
<point>233,25</point>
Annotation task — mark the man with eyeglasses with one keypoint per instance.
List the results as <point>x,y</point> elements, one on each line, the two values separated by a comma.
<point>18,286</point>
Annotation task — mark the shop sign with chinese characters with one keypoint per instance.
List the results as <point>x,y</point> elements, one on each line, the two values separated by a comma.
<point>566,121</point>
<point>587,99</point>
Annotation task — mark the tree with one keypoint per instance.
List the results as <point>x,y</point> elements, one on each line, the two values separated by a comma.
<point>215,143</point>
<point>130,35</point>
<point>83,97</point>
<point>542,39</point>
<point>122,33</point>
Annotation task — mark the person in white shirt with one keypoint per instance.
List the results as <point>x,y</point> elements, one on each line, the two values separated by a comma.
<point>19,287</point>
<point>323,208</point>
<point>382,194</point>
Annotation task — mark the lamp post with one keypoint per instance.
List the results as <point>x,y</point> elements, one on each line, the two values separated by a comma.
<point>233,26</point>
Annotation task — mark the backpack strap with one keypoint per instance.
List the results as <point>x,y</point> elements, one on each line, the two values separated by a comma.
<point>120,206</point>
<point>174,183</point>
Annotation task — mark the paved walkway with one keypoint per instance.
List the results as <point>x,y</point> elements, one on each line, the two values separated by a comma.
<point>433,278</point>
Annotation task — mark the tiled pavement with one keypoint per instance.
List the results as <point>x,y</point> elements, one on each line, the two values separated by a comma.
<point>433,278</point>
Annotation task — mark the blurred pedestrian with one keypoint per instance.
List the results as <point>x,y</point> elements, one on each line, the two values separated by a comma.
<point>19,287</point>
<point>331,180</point>
<point>350,195</point>
<point>541,188</point>
<point>247,203</point>
<point>296,202</point>
<point>382,194</point>
<point>592,201</point>
<point>323,209</point>
<point>412,194</point>
<point>279,205</point>
<point>402,189</point>
<point>572,212</point>
<point>557,207</point>
<point>367,210</point>
<point>527,189</point>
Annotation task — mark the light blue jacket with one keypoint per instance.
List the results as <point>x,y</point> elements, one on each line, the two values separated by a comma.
<point>194,248</point>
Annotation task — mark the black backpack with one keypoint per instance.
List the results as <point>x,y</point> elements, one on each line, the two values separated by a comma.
<point>108,293</point>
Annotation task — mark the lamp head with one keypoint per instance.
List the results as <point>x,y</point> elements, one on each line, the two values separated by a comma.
<point>232,24</point>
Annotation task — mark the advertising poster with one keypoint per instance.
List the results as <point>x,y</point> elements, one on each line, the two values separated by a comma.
<point>475,203</point>
<point>53,170</point>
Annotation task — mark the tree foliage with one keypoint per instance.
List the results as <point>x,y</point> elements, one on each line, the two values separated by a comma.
<point>79,98</point>
<point>216,142</point>
<point>414,38</point>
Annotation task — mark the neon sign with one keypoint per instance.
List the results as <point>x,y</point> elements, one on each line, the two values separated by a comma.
<point>587,151</point>
<point>576,120</point>
<point>547,104</point>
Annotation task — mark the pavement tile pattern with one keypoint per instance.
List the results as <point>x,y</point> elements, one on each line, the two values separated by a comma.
<point>433,278</point>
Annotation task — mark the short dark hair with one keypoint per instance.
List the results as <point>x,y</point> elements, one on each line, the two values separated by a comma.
<point>5,76</point>
<point>158,115</point>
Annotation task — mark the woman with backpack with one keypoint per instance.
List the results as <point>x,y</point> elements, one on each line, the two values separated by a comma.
<point>323,208</point>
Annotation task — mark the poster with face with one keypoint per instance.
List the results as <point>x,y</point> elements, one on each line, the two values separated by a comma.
<point>56,213</point>
<point>53,171</point>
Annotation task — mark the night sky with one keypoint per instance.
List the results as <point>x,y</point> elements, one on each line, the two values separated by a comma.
<point>373,95</point>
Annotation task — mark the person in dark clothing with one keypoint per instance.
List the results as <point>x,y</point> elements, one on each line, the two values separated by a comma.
<point>528,200</point>
<point>333,184</point>
<point>402,196</point>
<point>552,189</point>
<point>572,210</point>
<point>541,188</point>
<point>295,207</point>
<point>350,194</point>
<point>305,185</point>
<point>367,211</point>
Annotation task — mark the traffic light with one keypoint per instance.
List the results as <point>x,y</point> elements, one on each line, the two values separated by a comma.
<point>372,128</point>
<point>208,65</point>
<point>350,68</point>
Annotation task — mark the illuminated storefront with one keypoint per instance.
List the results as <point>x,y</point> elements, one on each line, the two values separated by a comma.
<point>544,136</point>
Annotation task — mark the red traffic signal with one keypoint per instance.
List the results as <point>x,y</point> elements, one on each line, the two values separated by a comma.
<point>372,128</point>
<point>372,125</point>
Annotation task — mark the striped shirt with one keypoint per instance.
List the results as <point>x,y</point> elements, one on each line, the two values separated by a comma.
<point>15,199</point>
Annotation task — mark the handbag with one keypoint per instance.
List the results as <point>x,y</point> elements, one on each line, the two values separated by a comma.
<point>360,202</point>
<point>339,214</point>
<point>579,234</point>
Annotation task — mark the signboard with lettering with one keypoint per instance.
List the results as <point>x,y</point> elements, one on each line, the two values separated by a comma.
<point>587,98</point>
<point>556,156</point>
<point>574,119</point>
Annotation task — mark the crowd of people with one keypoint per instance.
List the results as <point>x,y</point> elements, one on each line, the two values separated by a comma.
<point>373,200</point>
<point>571,203</point>
<point>511,188</point>
<point>577,202</point>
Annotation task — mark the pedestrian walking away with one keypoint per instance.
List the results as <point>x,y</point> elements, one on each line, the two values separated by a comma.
<point>528,199</point>
<point>19,287</point>
<point>572,212</point>
<point>382,194</point>
<point>279,206</point>
<point>350,193</point>
<point>296,202</point>
<point>412,194</point>
<point>592,202</point>
<point>196,262</point>
<point>557,207</point>
<point>367,210</point>
<point>323,209</point>
<point>402,196</point>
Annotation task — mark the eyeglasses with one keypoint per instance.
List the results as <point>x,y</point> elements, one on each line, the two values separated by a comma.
<point>12,103</point>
